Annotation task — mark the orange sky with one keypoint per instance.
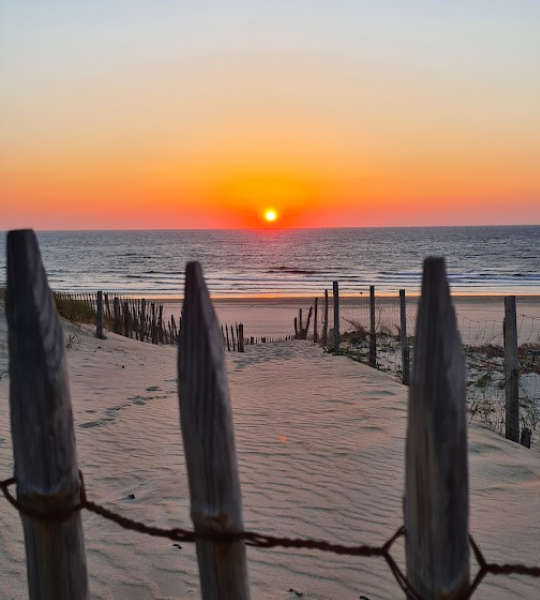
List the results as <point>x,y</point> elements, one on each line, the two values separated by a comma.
<point>120,121</point>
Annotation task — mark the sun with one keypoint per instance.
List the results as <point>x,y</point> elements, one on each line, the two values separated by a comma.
<point>270,215</point>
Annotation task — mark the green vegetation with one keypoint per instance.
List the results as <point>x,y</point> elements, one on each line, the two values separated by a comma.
<point>74,309</point>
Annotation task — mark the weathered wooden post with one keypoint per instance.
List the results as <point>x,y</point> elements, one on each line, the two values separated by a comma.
<point>372,328</point>
<point>99,316</point>
<point>208,435</point>
<point>117,315</point>
<point>240,337</point>
<point>153,323</point>
<point>315,332</point>
<point>44,450</point>
<point>295,327</point>
<point>107,305</point>
<point>227,336</point>
<point>403,338</point>
<point>436,505</point>
<point>305,332</point>
<point>234,345</point>
<point>325,321</point>
<point>335,286</point>
<point>127,319</point>
<point>160,324</point>
<point>511,369</point>
<point>143,320</point>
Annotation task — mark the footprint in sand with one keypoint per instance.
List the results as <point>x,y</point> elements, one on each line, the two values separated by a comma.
<point>90,424</point>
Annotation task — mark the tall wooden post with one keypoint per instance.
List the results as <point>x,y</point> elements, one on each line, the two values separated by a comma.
<point>208,435</point>
<point>315,332</point>
<point>436,505</point>
<point>153,325</point>
<point>306,329</point>
<point>296,327</point>
<point>44,450</point>
<point>325,321</point>
<point>117,315</point>
<point>403,338</point>
<point>240,337</point>
<point>335,286</point>
<point>107,306</point>
<point>511,369</point>
<point>372,328</point>
<point>143,320</point>
<point>160,324</point>
<point>127,319</point>
<point>227,336</point>
<point>99,316</point>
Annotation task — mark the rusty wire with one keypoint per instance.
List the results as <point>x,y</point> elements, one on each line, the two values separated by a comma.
<point>260,540</point>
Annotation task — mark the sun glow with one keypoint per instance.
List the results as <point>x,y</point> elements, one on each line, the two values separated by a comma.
<point>270,215</point>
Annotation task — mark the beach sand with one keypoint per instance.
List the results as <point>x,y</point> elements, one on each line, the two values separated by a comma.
<point>479,317</point>
<point>320,442</point>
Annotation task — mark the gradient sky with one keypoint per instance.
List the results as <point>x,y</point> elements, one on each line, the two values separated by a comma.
<point>176,114</point>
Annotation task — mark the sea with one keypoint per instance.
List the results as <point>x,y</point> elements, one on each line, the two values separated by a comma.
<point>291,262</point>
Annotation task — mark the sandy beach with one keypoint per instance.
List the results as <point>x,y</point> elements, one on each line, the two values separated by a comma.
<point>479,317</point>
<point>320,441</point>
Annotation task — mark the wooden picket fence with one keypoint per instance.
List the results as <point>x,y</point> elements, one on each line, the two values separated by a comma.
<point>510,345</point>
<point>47,475</point>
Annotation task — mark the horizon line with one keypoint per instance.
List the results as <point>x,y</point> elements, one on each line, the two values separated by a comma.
<point>263,228</point>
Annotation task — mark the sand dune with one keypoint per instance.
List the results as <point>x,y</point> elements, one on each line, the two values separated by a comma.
<point>320,441</point>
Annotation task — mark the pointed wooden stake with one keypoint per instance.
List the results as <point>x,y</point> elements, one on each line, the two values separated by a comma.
<point>207,430</point>
<point>315,317</point>
<point>404,342</point>
<point>511,369</point>
<point>42,428</point>
<point>335,287</point>
<point>324,339</point>
<point>99,316</point>
<point>436,492</point>
<point>372,328</point>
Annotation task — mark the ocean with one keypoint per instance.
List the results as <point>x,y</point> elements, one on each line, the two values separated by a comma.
<point>288,263</point>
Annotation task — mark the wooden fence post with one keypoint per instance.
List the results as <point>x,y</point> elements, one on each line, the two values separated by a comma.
<point>240,337</point>
<point>325,321</point>
<point>99,316</point>
<point>234,345</point>
<point>143,320</point>
<point>208,435</point>
<point>227,336</point>
<point>160,324</point>
<point>306,329</point>
<point>107,306</point>
<point>436,505</point>
<point>511,369</point>
<point>335,286</point>
<point>372,328</point>
<point>315,332</point>
<point>403,338</point>
<point>42,428</point>
<point>117,316</point>
<point>127,319</point>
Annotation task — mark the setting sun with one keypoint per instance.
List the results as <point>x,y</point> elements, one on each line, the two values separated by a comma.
<point>270,215</point>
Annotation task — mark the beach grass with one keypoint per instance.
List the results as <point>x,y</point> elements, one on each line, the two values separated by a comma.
<point>74,309</point>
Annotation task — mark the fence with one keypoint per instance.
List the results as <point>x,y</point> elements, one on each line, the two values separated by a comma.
<point>143,320</point>
<point>50,488</point>
<point>502,356</point>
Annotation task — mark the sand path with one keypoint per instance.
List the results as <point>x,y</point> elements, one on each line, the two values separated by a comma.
<point>320,441</point>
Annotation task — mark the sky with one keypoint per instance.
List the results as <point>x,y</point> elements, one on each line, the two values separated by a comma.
<point>180,114</point>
